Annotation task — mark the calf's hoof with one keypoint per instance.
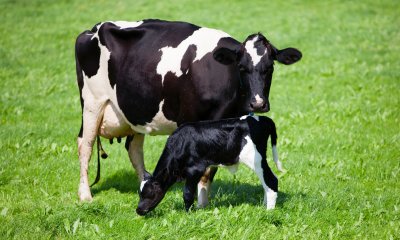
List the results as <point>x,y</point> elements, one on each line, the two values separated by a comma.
<point>202,199</point>
<point>202,204</point>
<point>270,206</point>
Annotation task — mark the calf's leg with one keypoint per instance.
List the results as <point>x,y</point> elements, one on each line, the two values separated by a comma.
<point>193,177</point>
<point>270,184</point>
<point>204,187</point>
<point>258,163</point>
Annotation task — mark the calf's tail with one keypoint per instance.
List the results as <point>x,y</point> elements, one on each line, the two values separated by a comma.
<point>274,136</point>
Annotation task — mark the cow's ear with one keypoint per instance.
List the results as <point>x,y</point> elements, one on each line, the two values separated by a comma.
<point>288,56</point>
<point>226,56</point>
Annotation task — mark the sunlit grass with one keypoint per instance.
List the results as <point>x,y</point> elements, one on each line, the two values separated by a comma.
<point>337,113</point>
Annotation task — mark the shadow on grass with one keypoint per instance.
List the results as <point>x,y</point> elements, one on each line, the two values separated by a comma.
<point>123,181</point>
<point>223,193</point>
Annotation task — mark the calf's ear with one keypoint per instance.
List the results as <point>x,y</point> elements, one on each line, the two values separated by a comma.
<point>227,56</point>
<point>288,56</point>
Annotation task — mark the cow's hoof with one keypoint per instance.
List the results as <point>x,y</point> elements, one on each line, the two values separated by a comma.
<point>85,198</point>
<point>85,195</point>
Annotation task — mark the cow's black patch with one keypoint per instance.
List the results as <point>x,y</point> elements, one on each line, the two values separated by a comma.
<point>139,95</point>
<point>88,53</point>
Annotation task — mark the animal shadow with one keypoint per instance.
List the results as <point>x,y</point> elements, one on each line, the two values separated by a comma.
<point>225,193</point>
<point>123,181</point>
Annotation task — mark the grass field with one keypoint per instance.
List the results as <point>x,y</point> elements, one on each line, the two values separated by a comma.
<point>337,113</point>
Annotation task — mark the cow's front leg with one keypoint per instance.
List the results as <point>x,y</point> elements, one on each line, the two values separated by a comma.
<point>134,145</point>
<point>91,116</point>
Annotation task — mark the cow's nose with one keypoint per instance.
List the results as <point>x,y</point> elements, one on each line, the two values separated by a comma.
<point>259,106</point>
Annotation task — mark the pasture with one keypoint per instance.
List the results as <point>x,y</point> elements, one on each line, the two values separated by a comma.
<point>337,113</point>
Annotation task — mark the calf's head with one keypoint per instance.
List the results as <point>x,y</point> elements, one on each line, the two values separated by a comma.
<point>151,193</point>
<point>255,62</point>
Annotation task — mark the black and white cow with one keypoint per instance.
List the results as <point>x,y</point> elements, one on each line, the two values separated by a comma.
<point>148,77</point>
<point>194,147</point>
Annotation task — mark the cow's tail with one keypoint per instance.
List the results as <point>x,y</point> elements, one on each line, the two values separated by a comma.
<point>274,136</point>
<point>103,154</point>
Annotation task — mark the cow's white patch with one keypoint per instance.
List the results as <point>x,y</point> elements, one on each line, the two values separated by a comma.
<point>126,24</point>
<point>252,158</point>
<point>142,183</point>
<point>159,125</point>
<point>205,40</point>
<point>252,51</point>
<point>113,123</point>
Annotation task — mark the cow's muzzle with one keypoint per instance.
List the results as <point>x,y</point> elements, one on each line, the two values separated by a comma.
<point>259,107</point>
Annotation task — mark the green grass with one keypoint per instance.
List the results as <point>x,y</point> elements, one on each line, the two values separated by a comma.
<point>337,113</point>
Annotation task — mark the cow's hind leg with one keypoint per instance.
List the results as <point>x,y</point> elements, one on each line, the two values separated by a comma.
<point>134,146</point>
<point>91,117</point>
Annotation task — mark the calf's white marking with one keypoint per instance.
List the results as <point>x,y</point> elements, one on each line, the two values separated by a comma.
<point>252,158</point>
<point>276,159</point>
<point>142,183</point>
<point>253,116</point>
<point>202,194</point>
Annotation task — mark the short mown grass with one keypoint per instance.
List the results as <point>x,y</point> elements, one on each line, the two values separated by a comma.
<point>337,113</point>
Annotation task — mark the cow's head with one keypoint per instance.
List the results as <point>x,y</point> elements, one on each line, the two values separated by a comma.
<point>255,60</point>
<point>151,193</point>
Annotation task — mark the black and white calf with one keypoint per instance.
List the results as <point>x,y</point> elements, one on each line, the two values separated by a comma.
<point>194,147</point>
